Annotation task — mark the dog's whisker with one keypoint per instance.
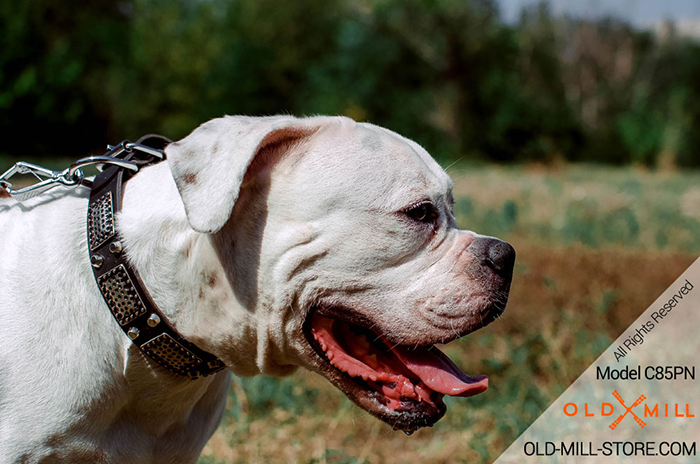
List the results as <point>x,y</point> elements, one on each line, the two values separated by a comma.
<point>453,163</point>
<point>453,328</point>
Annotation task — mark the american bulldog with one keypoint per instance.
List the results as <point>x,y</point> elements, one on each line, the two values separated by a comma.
<point>271,243</point>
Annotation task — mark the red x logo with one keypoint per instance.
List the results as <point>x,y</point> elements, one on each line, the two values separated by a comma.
<point>628,409</point>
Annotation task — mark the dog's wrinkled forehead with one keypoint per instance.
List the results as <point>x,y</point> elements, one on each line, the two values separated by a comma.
<point>383,169</point>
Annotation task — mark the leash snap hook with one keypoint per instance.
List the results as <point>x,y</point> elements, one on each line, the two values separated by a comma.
<point>122,156</point>
<point>48,178</point>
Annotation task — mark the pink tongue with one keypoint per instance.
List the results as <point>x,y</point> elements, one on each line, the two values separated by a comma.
<point>439,373</point>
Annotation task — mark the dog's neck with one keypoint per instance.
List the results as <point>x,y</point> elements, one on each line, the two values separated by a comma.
<point>168,253</point>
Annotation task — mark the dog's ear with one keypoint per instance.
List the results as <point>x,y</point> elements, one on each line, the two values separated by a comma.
<point>209,165</point>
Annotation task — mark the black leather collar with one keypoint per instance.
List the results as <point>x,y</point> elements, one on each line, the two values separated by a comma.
<point>122,287</point>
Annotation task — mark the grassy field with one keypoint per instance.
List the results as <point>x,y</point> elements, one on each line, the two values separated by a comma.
<point>595,247</point>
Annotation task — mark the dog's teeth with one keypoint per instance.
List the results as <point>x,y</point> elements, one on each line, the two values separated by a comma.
<point>319,339</point>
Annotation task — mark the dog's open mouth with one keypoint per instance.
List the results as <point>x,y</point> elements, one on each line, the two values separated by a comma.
<point>408,384</point>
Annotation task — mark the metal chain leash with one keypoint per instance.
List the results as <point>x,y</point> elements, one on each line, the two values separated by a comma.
<point>73,175</point>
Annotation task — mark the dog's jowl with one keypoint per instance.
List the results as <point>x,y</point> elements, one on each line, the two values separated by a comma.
<point>261,244</point>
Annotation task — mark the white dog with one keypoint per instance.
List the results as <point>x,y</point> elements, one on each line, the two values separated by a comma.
<point>271,243</point>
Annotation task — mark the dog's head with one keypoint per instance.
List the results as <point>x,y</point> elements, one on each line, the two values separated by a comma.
<point>339,242</point>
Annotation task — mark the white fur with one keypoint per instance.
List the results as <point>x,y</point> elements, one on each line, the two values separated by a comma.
<point>235,260</point>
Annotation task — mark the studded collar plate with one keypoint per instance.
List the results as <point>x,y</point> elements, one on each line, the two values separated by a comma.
<point>124,291</point>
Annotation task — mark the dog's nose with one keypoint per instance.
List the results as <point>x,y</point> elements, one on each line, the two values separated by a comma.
<point>494,253</point>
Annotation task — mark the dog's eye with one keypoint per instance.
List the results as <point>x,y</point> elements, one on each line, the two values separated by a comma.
<point>422,212</point>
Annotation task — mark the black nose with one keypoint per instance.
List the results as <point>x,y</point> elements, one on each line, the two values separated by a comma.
<point>494,253</point>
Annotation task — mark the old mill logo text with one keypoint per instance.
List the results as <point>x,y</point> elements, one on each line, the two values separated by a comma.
<point>632,410</point>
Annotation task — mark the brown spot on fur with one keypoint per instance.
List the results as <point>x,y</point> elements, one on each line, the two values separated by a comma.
<point>188,249</point>
<point>211,279</point>
<point>56,440</point>
<point>189,178</point>
<point>3,193</point>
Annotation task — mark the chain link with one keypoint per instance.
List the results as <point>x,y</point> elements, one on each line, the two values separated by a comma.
<point>122,155</point>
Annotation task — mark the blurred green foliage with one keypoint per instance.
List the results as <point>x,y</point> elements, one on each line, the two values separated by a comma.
<point>593,205</point>
<point>447,73</point>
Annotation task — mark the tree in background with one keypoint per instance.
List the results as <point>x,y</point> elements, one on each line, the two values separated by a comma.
<point>448,73</point>
<point>54,62</point>
<point>630,94</point>
<point>660,124</point>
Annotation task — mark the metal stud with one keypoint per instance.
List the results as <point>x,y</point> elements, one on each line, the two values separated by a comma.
<point>153,320</point>
<point>133,333</point>
<point>115,247</point>
<point>97,261</point>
